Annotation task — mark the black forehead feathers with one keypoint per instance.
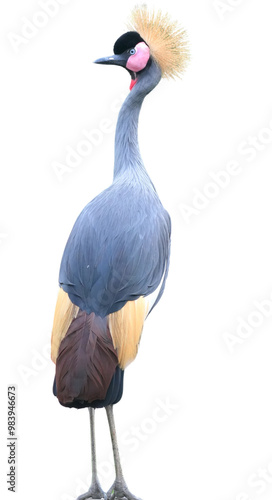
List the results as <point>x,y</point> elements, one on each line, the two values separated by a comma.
<point>127,41</point>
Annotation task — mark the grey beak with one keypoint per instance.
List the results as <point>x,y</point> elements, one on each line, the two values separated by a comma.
<point>118,60</point>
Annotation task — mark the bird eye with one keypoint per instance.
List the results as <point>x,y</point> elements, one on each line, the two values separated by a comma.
<point>132,51</point>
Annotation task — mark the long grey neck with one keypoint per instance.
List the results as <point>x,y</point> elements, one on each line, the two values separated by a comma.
<point>127,154</point>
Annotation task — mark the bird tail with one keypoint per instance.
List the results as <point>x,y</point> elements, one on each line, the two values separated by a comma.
<point>87,363</point>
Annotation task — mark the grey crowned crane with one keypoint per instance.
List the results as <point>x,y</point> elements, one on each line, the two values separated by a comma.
<point>115,262</point>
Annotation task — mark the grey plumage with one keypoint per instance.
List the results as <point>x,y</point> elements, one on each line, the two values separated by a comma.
<point>123,235</point>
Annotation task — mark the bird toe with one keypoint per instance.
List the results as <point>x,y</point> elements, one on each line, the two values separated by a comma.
<point>94,493</point>
<point>120,492</point>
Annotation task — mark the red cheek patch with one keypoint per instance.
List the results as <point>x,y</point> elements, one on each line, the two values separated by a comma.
<point>138,61</point>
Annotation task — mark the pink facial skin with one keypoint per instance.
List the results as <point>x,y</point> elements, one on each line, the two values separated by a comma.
<point>138,61</point>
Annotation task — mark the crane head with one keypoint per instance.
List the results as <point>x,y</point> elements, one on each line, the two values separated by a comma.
<point>153,35</point>
<point>131,52</point>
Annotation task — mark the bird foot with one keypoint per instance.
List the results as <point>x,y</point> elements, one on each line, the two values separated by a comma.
<point>120,491</point>
<point>94,493</point>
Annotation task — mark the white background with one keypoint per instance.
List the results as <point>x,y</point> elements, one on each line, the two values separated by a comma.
<point>214,441</point>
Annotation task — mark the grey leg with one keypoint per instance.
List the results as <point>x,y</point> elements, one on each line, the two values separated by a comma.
<point>119,489</point>
<point>95,492</point>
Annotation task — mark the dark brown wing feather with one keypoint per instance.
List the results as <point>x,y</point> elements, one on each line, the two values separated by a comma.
<point>86,361</point>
